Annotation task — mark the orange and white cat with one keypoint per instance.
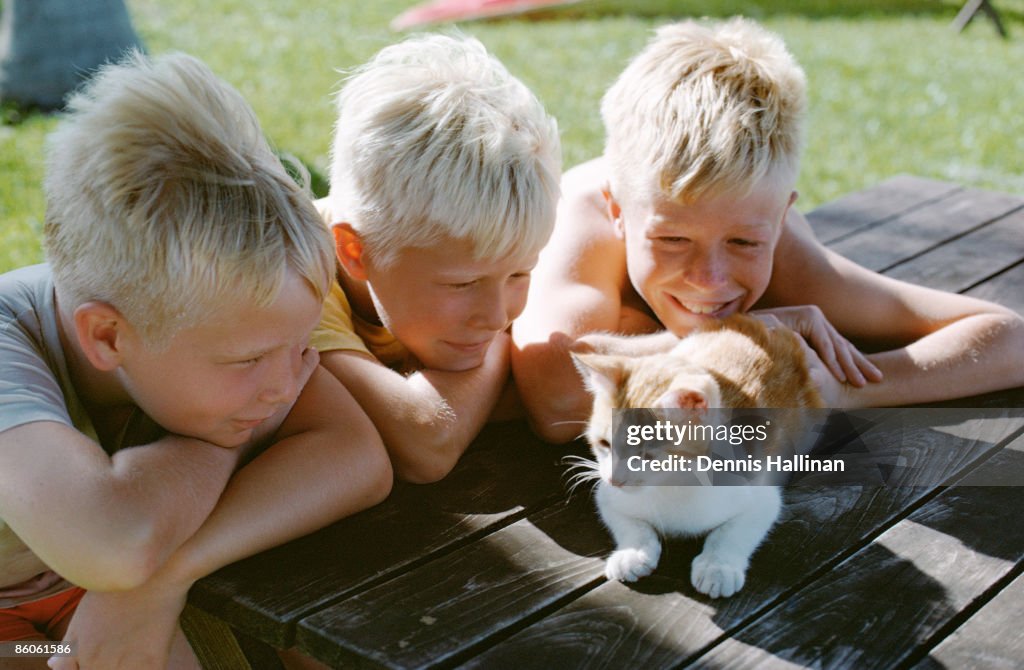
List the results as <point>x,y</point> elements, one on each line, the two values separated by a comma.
<point>734,363</point>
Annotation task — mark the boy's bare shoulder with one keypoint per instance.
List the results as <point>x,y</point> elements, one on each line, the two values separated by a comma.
<point>583,228</point>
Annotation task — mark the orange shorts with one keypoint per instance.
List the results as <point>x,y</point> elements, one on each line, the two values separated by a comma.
<point>45,619</point>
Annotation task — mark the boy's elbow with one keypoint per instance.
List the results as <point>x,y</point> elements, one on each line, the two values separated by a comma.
<point>426,467</point>
<point>429,456</point>
<point>381,480</point>
<point>117,566</point>
<point>556,418</point>
<point>423,473</point>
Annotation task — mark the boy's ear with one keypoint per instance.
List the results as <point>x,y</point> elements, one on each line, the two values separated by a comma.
<point>349,248</point>
<point>793,195</point>
<point>614,211</point>
<point>101,331</point>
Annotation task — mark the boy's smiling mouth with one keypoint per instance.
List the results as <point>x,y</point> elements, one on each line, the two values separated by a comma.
<point>712,309</point>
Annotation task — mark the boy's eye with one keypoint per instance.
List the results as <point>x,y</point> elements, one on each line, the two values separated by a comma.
<point>458,285</point>
<point>745,243</point>
<point>672,239</point>
<point>247,362</point>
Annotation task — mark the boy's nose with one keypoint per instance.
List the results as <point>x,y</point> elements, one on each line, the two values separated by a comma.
<point>491,312</point>
<point>283,379</point>
<point>706,271</point>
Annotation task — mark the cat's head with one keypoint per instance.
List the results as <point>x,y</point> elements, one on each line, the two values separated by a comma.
<point>622,382</point>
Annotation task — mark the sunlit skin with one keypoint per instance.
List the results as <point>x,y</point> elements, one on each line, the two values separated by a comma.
<point>220,380</point>
<point>442,303</point>
<point>703,260</point>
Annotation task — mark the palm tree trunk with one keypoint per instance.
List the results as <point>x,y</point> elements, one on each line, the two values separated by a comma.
<point>48,47</point>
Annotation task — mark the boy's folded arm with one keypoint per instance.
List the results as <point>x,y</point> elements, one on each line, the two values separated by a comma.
<point>103,522</point>
<point>326,462</point>
<point>428,419</point>
<point>975,354</point>
<point>549,386</point>
<point>937,344</point>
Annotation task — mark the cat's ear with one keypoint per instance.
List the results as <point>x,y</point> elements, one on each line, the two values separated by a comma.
<point>601,374</point>
<point>682,399</point>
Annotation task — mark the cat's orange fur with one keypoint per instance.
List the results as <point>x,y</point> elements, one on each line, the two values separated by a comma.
<point>735,363</point>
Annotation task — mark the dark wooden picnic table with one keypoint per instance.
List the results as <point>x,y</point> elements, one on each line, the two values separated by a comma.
<point>499,566</point>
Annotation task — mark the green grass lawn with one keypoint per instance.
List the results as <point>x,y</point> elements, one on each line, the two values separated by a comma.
<point>893,88</point>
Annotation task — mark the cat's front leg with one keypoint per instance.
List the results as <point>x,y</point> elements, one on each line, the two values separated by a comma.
<point>638,547</point>
<point>721,569</point>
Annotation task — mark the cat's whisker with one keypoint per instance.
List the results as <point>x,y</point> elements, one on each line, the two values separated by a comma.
<point>580,479</point>
<point>581,471</point>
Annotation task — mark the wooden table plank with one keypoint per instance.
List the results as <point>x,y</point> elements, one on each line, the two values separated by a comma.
<point>992,638</point>
<point>883,605</point>
<point>969,260</point>
<point>865,209</point>
<point>920,230</point>
<point>443,608</point>
<point>1007,289</point>
<point>662,621</point>
<point>505,474</point>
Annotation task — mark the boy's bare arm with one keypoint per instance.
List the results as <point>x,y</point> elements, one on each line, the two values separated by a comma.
<point>106,522</point>
<point>429,418</point>
<point>576,290</point>
<point>937,345</point>
<point>327,462</point>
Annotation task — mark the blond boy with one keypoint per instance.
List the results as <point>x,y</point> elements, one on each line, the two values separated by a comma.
<point>688,217</point>
<point>444,179</point>
<point>167,336</point>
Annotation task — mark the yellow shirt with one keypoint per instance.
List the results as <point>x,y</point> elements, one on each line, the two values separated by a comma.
<point>341,329</point>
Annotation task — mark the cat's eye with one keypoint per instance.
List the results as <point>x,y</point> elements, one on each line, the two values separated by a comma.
<point>603,443</point>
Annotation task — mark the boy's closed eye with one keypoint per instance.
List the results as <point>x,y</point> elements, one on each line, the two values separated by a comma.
<point>461,285</point>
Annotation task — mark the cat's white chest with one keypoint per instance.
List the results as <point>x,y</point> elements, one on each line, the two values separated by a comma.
<point>681,510</point>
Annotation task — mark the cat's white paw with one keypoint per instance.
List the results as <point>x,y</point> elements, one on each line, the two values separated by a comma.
<point>717,576</point>
<point>629,565</point>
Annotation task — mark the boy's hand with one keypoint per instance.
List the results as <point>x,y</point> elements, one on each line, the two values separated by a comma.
<point>832,391</point>
<point>117,630</point>
<point>840,357</point>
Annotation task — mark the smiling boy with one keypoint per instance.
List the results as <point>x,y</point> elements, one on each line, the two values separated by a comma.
<point>444,179</point>
<point>688,216</point>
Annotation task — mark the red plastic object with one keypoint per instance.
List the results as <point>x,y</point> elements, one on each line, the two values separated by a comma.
<point>438,11</point>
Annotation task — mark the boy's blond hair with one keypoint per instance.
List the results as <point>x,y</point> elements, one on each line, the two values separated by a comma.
<point>704,109</point>
<point>165,200</point>
<point>436,139</point>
